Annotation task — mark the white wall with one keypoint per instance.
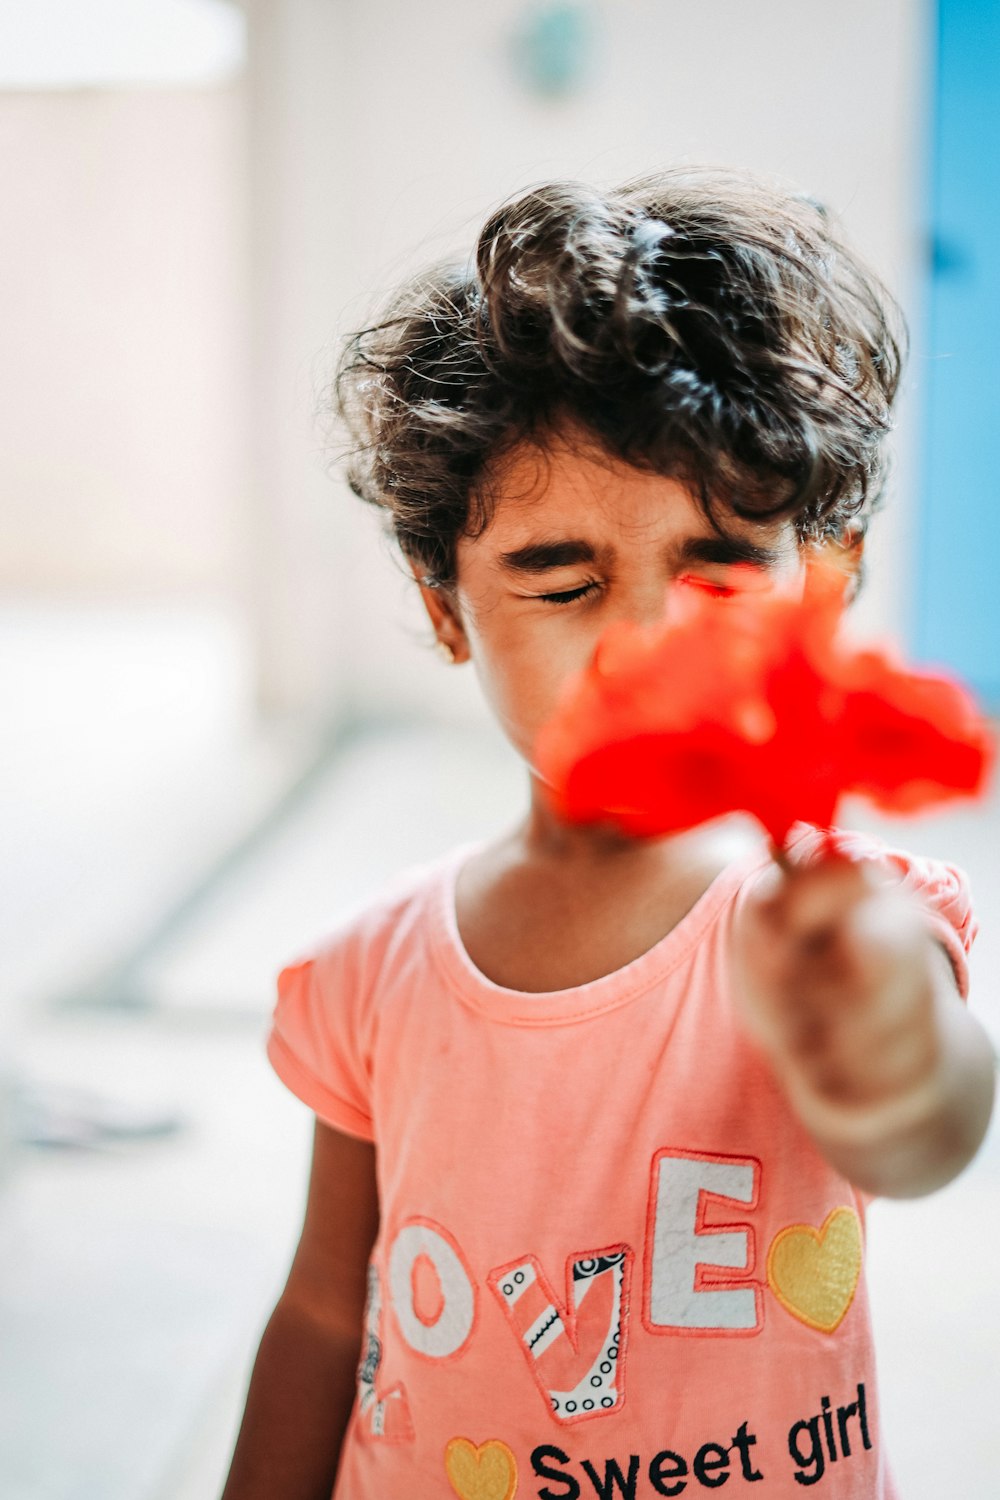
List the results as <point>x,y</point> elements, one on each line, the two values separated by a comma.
<point>424,124</point>
<point>158,406</point>
<point>123,351</point>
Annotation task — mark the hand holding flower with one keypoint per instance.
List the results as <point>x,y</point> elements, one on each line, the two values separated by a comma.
<point>838,978</point>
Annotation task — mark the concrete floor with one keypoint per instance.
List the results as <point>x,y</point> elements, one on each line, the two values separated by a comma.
<point>134,1280</point>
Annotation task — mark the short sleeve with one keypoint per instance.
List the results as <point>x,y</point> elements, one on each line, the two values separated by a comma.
<point>942,888</point>
<point>315,1044</point>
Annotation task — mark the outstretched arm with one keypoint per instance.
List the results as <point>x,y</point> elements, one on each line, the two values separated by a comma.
<point>857,1006</point>
<point>303,1381</point>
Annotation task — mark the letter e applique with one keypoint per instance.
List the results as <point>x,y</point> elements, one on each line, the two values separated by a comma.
<point>687,1288</point>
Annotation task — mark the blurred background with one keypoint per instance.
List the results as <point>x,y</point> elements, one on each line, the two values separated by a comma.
<point>222,724</point>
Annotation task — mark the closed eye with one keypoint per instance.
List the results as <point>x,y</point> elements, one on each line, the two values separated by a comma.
<point>567,596</point>
<point>708,586</point>
<point>740,578</point>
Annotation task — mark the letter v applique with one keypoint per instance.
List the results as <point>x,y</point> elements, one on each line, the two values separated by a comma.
<point>576,1351</point>
<point>381,1415</point>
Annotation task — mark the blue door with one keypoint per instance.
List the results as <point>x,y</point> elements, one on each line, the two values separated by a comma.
<point>957,599</point>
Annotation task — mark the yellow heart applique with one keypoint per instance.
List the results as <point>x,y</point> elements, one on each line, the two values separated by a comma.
<point>488,1472</point>
<point>814,1272</point>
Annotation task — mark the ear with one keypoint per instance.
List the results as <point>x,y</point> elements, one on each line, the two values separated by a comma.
<point>847,550</point>
<point>442,611</point>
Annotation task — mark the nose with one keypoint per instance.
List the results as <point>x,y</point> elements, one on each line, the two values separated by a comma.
<point>645,603</point>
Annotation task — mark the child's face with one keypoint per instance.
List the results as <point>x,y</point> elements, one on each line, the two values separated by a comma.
<point>579,539</point>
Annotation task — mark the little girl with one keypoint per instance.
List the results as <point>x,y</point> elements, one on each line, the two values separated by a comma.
<point>598,1119</point>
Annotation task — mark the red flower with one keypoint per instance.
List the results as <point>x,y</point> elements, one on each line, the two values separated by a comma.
<point>754,702</point>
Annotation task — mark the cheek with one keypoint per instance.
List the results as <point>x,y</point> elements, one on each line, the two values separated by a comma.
<point>514,671</point>
<point>521,671</point>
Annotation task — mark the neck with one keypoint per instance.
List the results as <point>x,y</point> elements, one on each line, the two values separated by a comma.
<point>545,833</point>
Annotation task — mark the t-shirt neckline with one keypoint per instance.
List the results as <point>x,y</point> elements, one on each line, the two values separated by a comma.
<point>609,991</point>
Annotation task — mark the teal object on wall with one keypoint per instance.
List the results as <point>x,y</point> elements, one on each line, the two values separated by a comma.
<point>552,49</point>
<point>957,598</point>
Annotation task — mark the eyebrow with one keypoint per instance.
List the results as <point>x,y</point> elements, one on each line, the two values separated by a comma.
<point>728,549</point>
<point>544,557</point>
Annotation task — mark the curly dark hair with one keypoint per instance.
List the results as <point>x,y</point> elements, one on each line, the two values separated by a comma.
<point>699,324</point>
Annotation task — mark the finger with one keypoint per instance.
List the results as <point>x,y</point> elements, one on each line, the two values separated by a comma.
<point>793,916</point>
<point>823,897</point>
<point>840,951</point>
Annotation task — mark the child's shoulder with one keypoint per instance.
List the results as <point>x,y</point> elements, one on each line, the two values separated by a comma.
<point>330,999</point>
<point>386,916</point>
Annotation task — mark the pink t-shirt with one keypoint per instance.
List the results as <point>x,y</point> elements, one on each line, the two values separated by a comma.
<point>611,1262</point>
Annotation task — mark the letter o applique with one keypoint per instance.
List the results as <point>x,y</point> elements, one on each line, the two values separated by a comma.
<point>451,1328</point>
